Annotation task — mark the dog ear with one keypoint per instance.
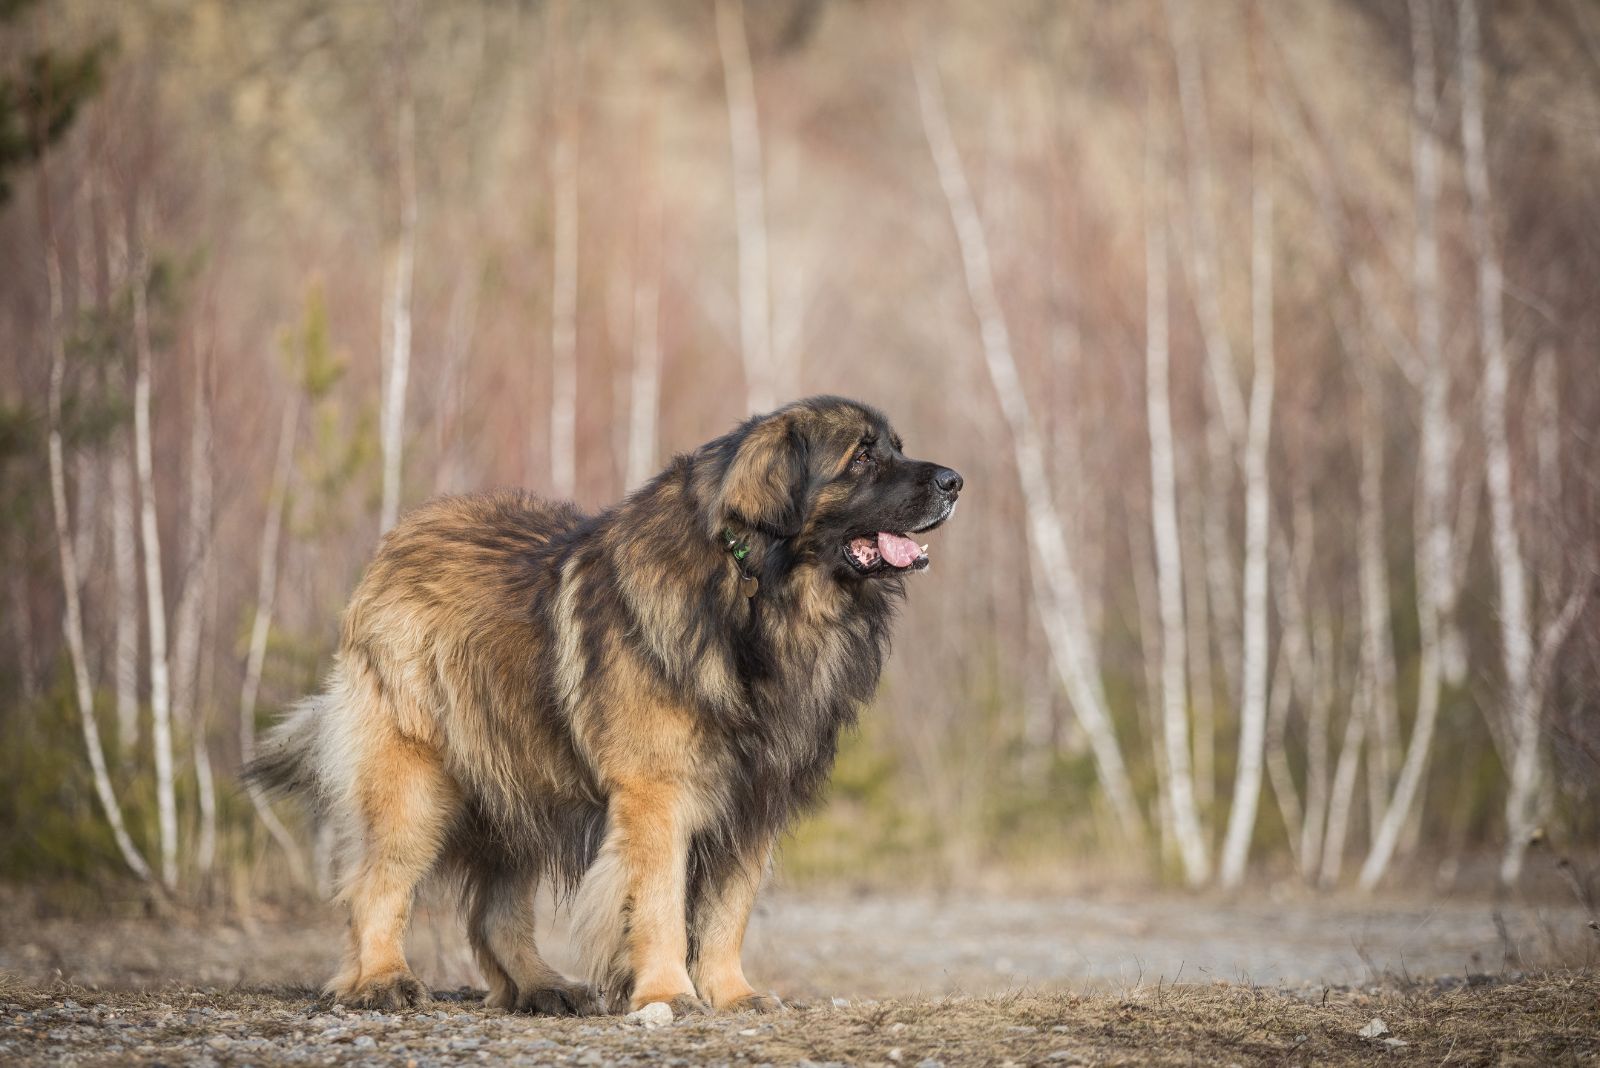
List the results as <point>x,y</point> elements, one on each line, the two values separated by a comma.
<point>764,486</point>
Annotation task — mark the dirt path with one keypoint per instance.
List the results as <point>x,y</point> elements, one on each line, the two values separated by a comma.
<point>835,946</point>
<point>904,981</point>
<point>1545,1021</point>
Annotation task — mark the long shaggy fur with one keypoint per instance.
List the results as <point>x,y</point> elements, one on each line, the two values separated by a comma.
<point>523,692</point>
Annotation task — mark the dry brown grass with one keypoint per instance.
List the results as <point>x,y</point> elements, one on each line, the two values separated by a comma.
<point>1545,1019</point>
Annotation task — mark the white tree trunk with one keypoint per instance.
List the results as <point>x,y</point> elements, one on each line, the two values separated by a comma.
<point>749,205</point>
<point>397,371</point>
<point>261,628</point>
<point>1342,797</point>
<point>1203,244</point>
<point>1258,504</point>
<point>564,328</point>
<point>124,528</point>
<point>1222,578</point>
<point>1377,641</point>
<point>1202,688</point>
<point>1296,673</point>
<point>1061,606</point>
<point>1516,631</point>
<point>125,574</point>
<point>72,622</point>
<point>1436,544</point>
<point>1168,553</point>
<point>150,536</point>
<point>1319,715</point>
<point>644,380</point>
<point>1276,750</point>
<point>205,778</point>
<point>459,329</point>
<point>191,607</point>
<point>1142,555</point>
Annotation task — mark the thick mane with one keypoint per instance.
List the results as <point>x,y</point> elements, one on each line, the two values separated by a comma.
<point>780,674</point>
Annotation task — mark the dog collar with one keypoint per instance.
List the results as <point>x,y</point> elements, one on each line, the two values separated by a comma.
<point>748,583</point>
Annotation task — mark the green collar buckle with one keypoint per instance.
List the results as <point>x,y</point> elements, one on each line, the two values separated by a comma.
<point>738,548</point>
<point>748,583</point>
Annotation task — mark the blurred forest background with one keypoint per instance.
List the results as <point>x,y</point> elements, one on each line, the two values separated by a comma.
<point>1265,334</point>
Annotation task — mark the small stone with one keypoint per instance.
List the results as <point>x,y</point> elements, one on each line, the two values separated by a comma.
<point>655,1014</point>
<point>841,1003</point>
<point>220,1042</point>
<point>1395,1043</point>
<point>897,1054</point>
<point>929,1062</point>
<point>1375,1028</point>
<point>366,1042</point>
<point>748,1031</point>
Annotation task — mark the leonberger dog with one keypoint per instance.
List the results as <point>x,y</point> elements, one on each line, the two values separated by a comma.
<point>633,705</point>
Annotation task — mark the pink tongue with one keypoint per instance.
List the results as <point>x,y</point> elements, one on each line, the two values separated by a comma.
<point>897,549</point>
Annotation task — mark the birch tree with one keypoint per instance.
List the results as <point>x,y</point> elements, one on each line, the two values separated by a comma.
<point>1225,423</point>
<point>564,274</point>
<point>1245,433</point>
<point>187,699</point>
<point>644,376</point>
<point>750,206</point>
<point>460,325</point>
<point>1253,706</point>
<point>124,529</point>
<point>150,538</point>
<point>72,622</point>
<point>1301,672</point>
<point>397,368</point>
<point>1435,535</point>
<point>1527,661</point>
<point>261,628</point>
<point>1058,591</point>
<point>1164,532</point>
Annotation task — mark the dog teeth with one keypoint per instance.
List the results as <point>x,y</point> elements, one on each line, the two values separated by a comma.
<point>924,548</point>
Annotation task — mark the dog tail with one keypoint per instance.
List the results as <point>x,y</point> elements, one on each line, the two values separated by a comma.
<point>600,925</point>
<point>285,761</point>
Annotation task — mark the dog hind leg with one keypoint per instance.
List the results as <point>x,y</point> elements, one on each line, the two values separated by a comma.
<point>500,927</point>
<point>403,803</point>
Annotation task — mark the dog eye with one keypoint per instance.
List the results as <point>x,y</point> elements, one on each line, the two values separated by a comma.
<point>863,456</point>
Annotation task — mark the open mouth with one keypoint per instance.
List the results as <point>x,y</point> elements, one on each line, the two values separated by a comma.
<point>886,549</point>
<point>890,550</point>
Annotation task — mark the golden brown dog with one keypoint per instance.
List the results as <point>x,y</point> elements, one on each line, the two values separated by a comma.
<point>633,704</point>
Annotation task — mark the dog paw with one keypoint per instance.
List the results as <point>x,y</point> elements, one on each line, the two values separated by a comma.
<point>681,1004</point>
<point>568,999</point>
<point>688,1005</point>
<point>387,993</point>
<point>762,1003</point>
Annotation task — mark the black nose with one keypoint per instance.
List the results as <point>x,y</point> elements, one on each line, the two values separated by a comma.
<point>948,481</point>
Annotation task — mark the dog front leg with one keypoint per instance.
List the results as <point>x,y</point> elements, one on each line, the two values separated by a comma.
<point>650,826</point>
<point>721,916</point>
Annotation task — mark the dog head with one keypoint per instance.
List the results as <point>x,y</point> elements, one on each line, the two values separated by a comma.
<point>829,479</point>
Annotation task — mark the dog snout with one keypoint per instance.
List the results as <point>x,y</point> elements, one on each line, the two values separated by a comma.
<point>949,482</point>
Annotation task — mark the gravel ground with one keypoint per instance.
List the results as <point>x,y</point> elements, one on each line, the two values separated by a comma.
<point>1538,1020</point>
<point>823,946</point>
<point>907,980</point>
